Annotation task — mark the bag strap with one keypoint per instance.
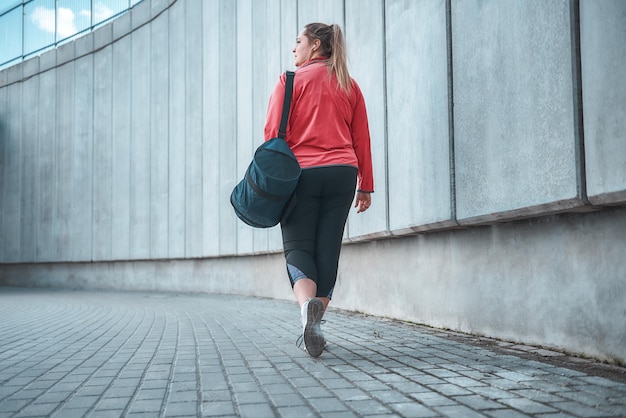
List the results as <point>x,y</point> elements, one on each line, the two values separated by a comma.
<point>282,130</point>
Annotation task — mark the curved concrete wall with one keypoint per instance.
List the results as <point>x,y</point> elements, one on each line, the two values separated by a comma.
<point>118,152</point>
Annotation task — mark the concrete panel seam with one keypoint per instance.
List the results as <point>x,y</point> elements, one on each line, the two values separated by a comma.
<point>577,91</point>
<point>386,120</point>
<point>451,111</point>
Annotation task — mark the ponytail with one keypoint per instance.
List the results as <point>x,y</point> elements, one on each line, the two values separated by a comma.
<point>338,59</point>
<point>333,46</point>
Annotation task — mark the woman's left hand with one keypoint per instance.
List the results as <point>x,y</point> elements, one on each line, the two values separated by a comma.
<point>363,201</point>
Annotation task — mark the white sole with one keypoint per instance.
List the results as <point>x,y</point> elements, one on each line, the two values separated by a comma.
<point>314,340</point>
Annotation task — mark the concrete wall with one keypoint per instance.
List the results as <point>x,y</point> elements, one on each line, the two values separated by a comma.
<point>515,113</point>
<point>556,281</point>
<point>118,152</point>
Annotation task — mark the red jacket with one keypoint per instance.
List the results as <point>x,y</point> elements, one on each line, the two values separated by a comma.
<point>326,126</point>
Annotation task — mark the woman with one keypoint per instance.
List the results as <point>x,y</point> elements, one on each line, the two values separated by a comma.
<point>329,135</point>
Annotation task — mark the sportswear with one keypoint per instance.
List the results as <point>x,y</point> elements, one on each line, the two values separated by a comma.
<point>326,126</point>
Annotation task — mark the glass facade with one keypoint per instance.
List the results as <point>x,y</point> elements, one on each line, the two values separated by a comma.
<point>29,27</point>
<point>38,25</point>
<point>11,30</point>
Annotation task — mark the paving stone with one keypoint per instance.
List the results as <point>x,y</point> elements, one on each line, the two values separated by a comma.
<point>433,399</point>
<point>326,405</point>
<point>315,392</point>
<point>372,385</point>
<point>142,405</point>
<point>39,409</point>
<point>528,405</point>
<point>108,413</point>
<point>581,410</point>
<point>175,409</point>
<point>407,409</point>
<point>463,381</point>
<point>296,412</point>
<point>477,402</point>
<point>66,412</point>
<point>183,355</point>
<point>457,411</point>
<point>13,405</point>
<point>507,413</point>
<point>113,403</point>
<point>81,401</point>
<point>367,406</point>
<point>449,389</point>
<point>350,394</point>
<point>287,400</point>
<point>545,397</point>
<point>260,410</point>
<point>346,414</point>
<point>144,393</point>
<point>215,409</point>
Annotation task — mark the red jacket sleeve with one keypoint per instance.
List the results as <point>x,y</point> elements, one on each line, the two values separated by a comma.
<point>361,143</point>
<point>275,109</point>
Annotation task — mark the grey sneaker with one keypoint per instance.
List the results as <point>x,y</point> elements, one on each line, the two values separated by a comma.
<point>312,312</point>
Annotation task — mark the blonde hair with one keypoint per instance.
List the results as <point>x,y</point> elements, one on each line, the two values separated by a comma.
<point>333,46</point>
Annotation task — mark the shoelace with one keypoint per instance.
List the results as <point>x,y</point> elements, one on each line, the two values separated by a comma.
<point>300,339</point>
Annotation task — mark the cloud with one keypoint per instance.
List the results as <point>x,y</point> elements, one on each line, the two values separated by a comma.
<point>43,18</point>
<point>66,26</point>
<point>100,13</point>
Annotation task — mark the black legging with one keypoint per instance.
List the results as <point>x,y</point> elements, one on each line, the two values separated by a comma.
<point>313,232</point>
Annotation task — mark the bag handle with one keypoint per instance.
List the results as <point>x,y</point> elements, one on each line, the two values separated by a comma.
<point>282,130</point>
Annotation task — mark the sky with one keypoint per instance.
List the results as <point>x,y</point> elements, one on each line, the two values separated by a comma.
<point>70,21</point>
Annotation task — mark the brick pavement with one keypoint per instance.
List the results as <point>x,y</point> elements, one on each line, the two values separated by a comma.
<point>108,354</point>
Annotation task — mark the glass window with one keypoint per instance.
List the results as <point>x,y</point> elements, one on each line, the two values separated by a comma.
<point>29,27</point>
<point>11,35</point>
<point>73,16</point>
<point>39,25</point>
<point>105,9</point>
<point>8,5</point>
